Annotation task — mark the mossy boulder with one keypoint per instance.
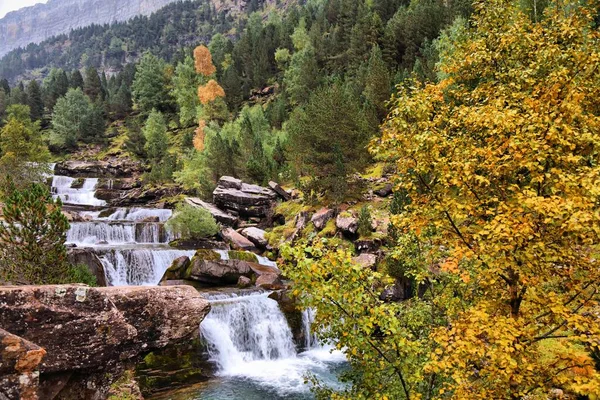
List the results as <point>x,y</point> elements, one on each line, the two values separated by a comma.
<point>243,256</point>
<point>77,183</point>
<point>208,255</point>
<point>177,270</point>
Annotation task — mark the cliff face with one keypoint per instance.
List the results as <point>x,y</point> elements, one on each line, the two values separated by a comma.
<point>34,24</point>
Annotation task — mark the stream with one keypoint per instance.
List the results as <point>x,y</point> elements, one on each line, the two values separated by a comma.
<point>248,338</point>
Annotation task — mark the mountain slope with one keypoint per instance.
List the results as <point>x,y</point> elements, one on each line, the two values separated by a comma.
<point>34,24</point>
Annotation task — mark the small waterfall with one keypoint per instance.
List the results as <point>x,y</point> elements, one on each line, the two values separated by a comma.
<point>149,233</point>
<point>139,214</point>
<point>250,341</point>
<point>310,338</point>
<point>138,266</point>
<point>62,189</point>
<point>243,329</point>
<point>92,233</point>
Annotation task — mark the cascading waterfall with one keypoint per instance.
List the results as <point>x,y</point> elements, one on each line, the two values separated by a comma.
<point>92,233</point>
<point>248,338</point>
<point>138,266</point>
<point>62,189</point>
<point>310,338</point>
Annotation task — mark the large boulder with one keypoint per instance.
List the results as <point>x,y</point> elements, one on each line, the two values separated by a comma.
<point>219,215</point>
<point>270,282</point>
<point>347,223</point>
<point>92,331</point>
<point>244,199</point>
<point>219,273</point>
<point>19,367</point>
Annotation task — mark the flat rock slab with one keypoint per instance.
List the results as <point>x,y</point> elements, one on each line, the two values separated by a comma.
<point>321,217</point>
<point>236,240</point>
<point>218,214</point>
<point>83,328</point>
<point>19,367</point>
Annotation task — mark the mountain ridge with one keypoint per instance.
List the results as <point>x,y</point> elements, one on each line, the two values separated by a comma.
<point>36,23</point>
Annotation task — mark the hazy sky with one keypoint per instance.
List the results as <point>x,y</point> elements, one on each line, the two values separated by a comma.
<point>11,5</point>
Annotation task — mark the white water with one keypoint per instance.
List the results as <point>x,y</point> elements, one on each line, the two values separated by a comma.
<point>142,266</point>
<point>248,338</point>
<point>61,188</point>
<point>139,214</point>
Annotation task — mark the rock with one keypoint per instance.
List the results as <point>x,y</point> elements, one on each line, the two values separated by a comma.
<point>321,217</point>
<point>256,236</point>
<point>347,223</point>
<point>19,367</point>
<point>149,220</point>
<point>301,220</point>
<point>246,200</point>
<point>280,191</point>
<point>148,196</point>
<point>384,191</point>
<point>236,240</point>
<point>94,330</point>
<point>219,215</point>
<point>367,245</point>
<point>366,260</point>
<point>177,270</point>
<point>195,244</point>
<point>244,282</point>
<point>113,168</point>
<point>218,273</point>
<point>108,195</point>
<point>229,182</point>
<point>86,256</point>
<point>260,269</point>
<point>269,282</point>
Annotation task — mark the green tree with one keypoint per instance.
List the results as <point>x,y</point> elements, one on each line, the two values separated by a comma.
<point>33,238</point>
<point>332,123</point>
<point>70,119</point>
<point>302,74</point>
<point>192,223</point>
<point>185,91</point>
<point>377,84</point>
<point>56,85</point>
<point>76,80</point>
<point>35,101</point>
<point>150,88</point>
<point>156,147</point>
<point>92,86</point>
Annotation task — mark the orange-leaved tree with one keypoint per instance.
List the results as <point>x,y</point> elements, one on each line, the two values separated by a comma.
<point>501,163</point>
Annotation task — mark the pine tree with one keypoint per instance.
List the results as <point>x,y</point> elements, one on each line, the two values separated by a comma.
<point>155,132</point>
<point>378,83</point>
<point>150,89</point>
<point>92,85</point>
<point>35,101</point>
<point>68,119</point>
<point>185,82</point>
<point>76,80</point>
<point>33,238</point>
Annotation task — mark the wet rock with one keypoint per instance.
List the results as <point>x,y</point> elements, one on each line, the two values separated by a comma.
<point>236,240</point>
<point>220,216</point>
<point>280,191</point>
<point>19,367</point>
<point>256,236</point>
<point>347,223</point>
<point>270,282</point>
<point>86,256</point>
<point>108,195</point>
<point>194,244</point>
<point>366,260</point>
<point>148,196</point>
<point>177,270</point>
<point>293,314</point>
<point>260,269</point>
<point>321,217</point>
<point>85,330</point>
<point>244,282</point>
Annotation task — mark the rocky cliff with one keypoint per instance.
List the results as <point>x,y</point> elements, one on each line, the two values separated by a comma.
<point>34,24</point>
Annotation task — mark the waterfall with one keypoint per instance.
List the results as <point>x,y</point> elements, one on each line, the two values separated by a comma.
<point>91,233</point>
<point>310,338</point>
<point>62,189</point>
<point>141,266</point>
<point>248,338</point>
<point>139,214</point>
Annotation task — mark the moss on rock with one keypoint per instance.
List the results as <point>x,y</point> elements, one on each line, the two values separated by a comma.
<point>243,256</point>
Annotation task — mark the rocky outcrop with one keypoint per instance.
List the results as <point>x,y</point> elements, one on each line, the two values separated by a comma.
<point>347,223</point>
<point>88,332</point>
<point>114,168</point>
<point>34,24</point>
<point>246,200</point>
<point>88,257</point>
<point>19,367</point>
<point>224,272</point>
<point>219,215</point>
<point>280,191</point>
<point>148,196</point>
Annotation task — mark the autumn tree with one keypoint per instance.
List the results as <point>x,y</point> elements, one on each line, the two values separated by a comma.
<point>500,228</point>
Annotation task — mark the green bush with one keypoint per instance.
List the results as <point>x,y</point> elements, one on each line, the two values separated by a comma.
<point>80,273</point>
<point>192,223</point>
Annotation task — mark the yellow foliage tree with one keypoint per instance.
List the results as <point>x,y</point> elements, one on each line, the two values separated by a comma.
<point>199,136</point>
<point>501,162</point>
<point>210,92</point>
<point>203,61</point>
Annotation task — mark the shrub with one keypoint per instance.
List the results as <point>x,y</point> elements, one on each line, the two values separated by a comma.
<point>192,223</point>
<point>80,273</point>
<point>365,221</point>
